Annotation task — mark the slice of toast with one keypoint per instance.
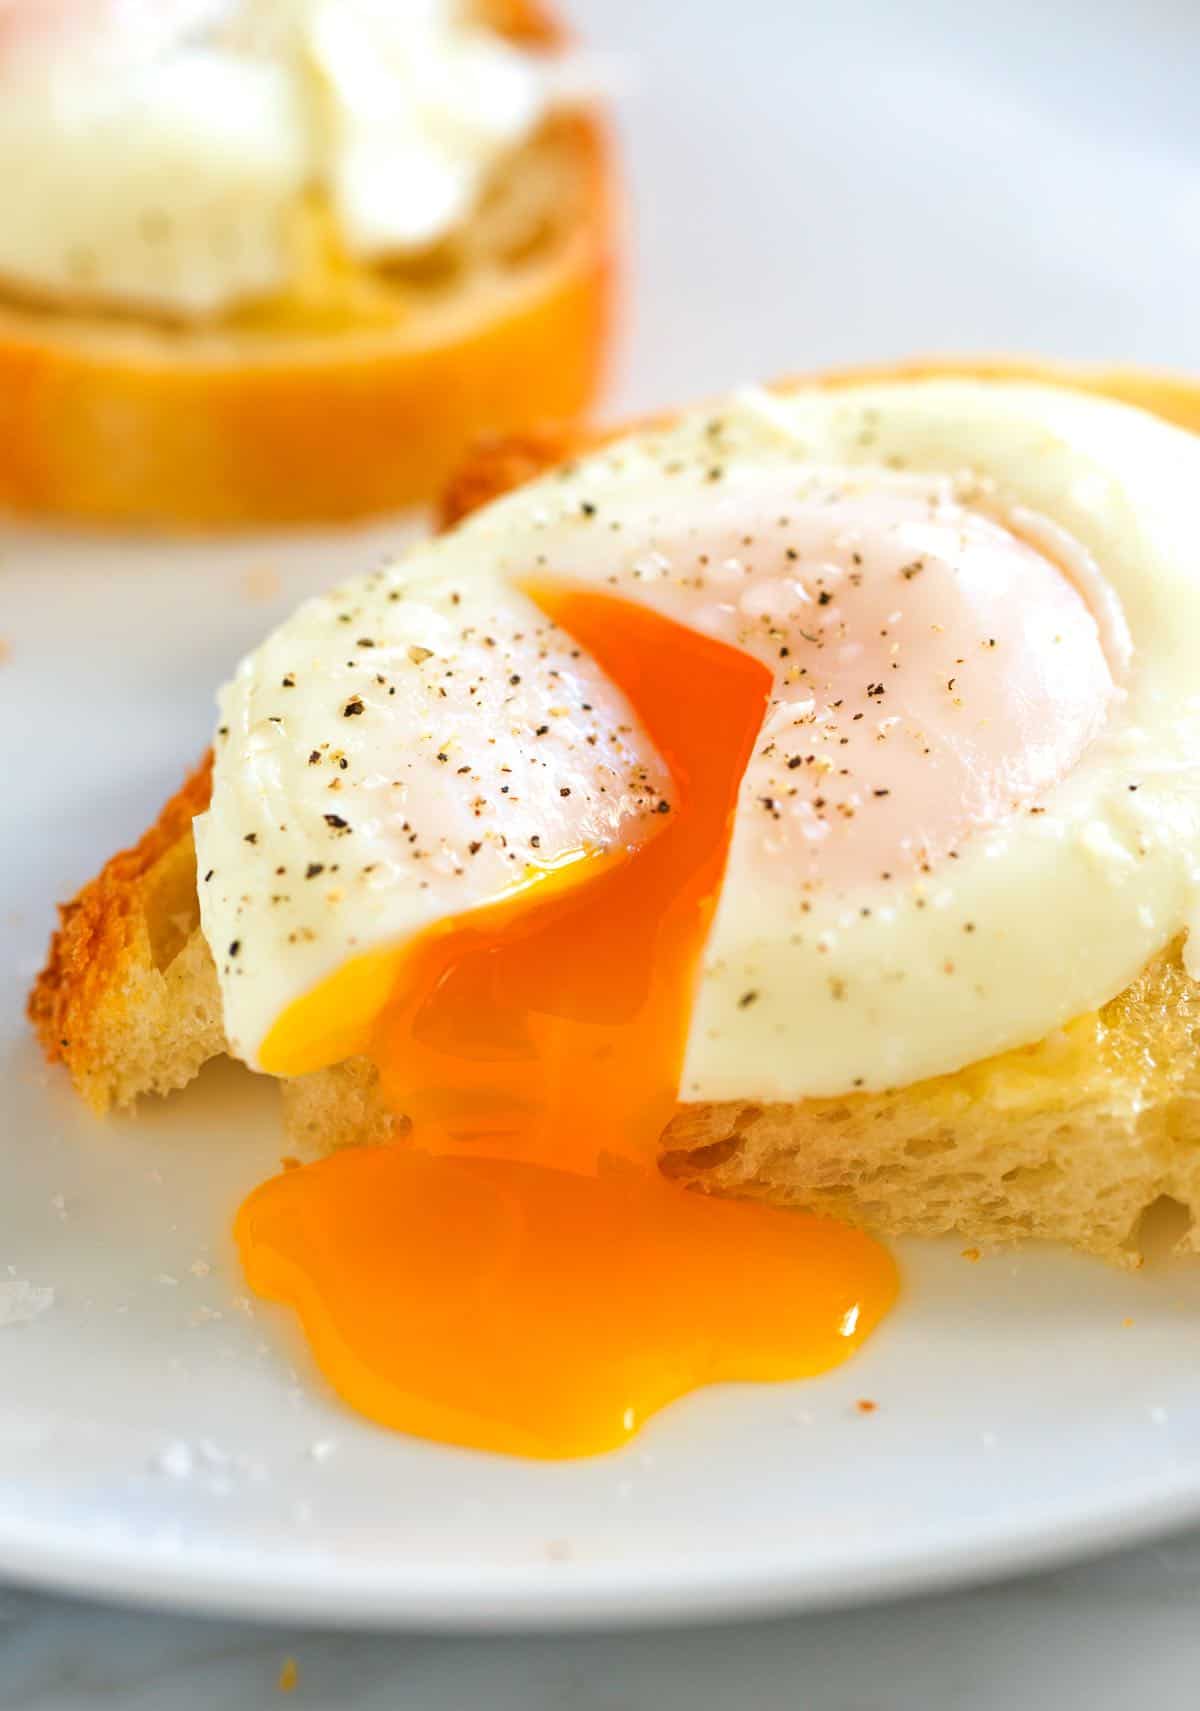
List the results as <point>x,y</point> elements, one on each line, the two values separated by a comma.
<point>358,391</point>
<point>1072,1139</point>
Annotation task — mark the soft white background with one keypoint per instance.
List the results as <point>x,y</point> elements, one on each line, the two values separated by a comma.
<point>814,184</point>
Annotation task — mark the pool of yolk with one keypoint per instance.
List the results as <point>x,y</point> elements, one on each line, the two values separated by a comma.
<point>516,1275</point>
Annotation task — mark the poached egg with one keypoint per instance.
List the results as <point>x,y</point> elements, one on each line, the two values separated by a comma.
<point>819,742</point>
<point>163,157</point>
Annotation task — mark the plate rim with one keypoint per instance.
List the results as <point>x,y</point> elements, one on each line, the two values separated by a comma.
<point>565,1596</point>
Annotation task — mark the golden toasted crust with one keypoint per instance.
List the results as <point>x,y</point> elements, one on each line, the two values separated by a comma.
<point>1073,1138</point>
<point>98,956</point>
<point>1173,396</point>
<point>497,463</point>
<point>122,420</point>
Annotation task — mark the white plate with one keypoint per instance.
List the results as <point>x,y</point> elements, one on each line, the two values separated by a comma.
<point>161,1439</point>
<point>813,186</point>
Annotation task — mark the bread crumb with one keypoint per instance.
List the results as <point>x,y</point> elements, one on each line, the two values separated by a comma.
<point>20,1301</point>
<point>289,1675</point>
<point>1126,1324</point>
<point>176,1460</point>
<point>199,1268</point>
<point>290,1162</point>
<point>5,652</point>
<point>973,1254</point>
<point>865,1405</point>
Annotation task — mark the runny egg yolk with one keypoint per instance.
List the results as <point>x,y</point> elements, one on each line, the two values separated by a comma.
<point>516,1275</point>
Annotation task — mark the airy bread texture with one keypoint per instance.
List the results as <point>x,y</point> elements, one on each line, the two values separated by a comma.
<point>1073,1138</point>
<point>356,391</point>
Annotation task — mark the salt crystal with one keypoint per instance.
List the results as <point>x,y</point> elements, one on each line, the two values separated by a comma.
<point>176,1461</point>
<point>20,1301</point>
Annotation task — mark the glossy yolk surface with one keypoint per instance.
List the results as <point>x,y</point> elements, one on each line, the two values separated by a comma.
<point>516,1275</point>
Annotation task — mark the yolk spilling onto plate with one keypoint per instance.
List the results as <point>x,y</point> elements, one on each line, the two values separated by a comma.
<point>516,1275</point>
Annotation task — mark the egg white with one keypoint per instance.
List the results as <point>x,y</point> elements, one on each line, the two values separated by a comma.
<point>1067,904</point>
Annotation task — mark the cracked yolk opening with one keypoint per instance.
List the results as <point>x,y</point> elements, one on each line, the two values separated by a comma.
<point>515,1274</point>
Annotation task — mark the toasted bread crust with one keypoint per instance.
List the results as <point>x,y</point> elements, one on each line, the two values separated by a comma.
<point>73,1000</point>
<point>498,463</point>
<point>125,421</point>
